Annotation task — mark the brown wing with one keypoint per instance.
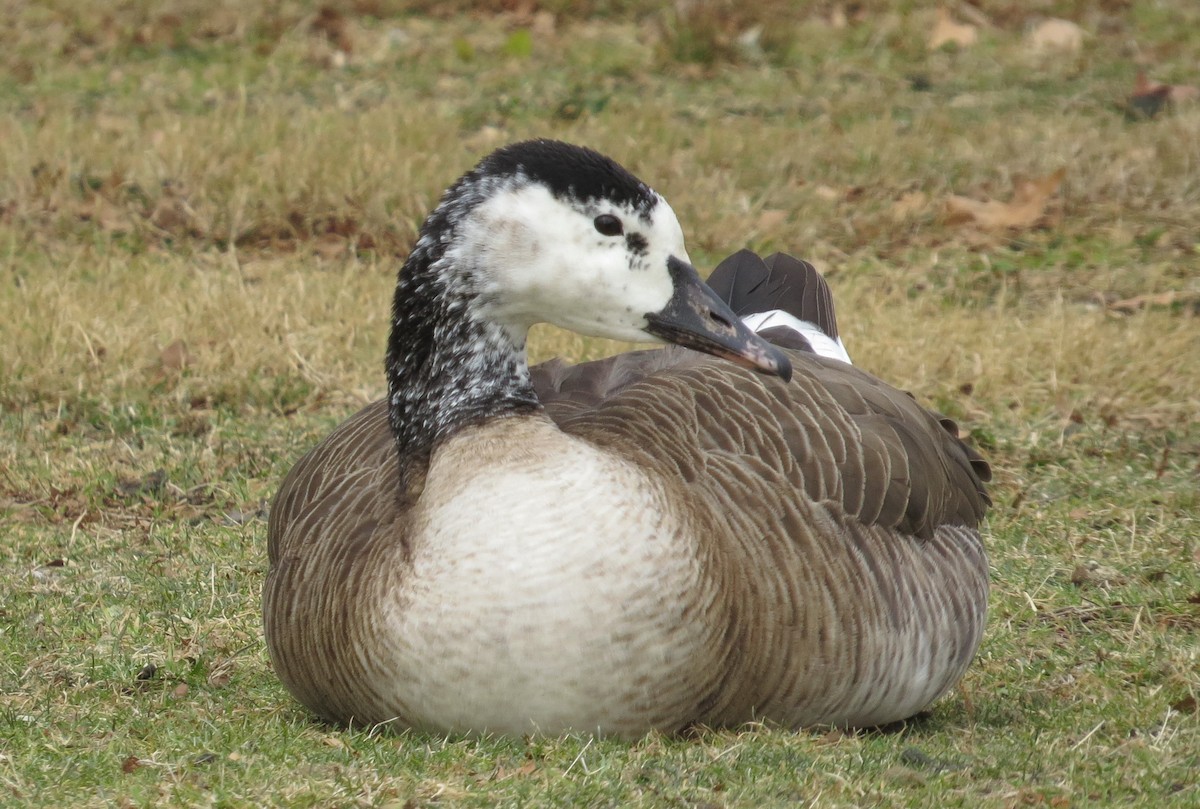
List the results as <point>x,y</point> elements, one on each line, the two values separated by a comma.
<point>349,482</point>
<point>837,434</point>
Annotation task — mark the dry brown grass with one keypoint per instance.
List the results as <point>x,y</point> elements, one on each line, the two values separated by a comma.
<point>818,165</point>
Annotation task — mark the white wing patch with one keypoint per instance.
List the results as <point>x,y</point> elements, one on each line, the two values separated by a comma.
<point>822,343</point>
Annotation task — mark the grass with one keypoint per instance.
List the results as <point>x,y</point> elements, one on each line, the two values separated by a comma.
<point>243,178</point>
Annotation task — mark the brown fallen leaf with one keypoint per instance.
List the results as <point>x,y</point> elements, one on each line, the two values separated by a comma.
<point>848,193</point>
<point>834,736</point>
<point>1026,209</point>
<point>844,14</point>
<point>771,218</point>
<point>1186,705</point>
<point>175,357</point>
<point>503,773</point>
<point>130,764</point>
<point>1097,575</point>
<point>172,212</point>
<point>910,204</point>
<point>1062,36</point>
<point>331,247</point>
<point>333,25</point>
<point>1183,93</point>
<point>1149,98</point>
<point>543,24</point>
<point>1153,300</point>
<point>948,32</point>
<point>104,214</point>
<point>221,674</point>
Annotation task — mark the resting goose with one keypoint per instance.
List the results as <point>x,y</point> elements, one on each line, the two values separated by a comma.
<point>728,529</point>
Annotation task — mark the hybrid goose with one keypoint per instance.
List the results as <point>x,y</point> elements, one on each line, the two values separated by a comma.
<point>742,526</point>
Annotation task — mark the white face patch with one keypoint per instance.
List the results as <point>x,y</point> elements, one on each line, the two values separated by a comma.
<point>536,258</point>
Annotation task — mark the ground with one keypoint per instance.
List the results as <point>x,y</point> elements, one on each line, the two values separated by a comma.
<point>202,208</point>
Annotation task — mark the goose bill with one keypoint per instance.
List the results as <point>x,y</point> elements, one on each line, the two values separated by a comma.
<point>697,318</point>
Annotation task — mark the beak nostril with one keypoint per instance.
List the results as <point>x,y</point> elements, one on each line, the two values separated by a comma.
<point>721,319</point>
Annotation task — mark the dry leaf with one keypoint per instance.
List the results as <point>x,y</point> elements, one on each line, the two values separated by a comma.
<point>947,31</point>
<point>502,773</point>
<point>1063,36</point>
<point>172,212</point>
<point>1185,705</point>
<point>1096,574</point>
<point>1153,300</point>
<point>221,674</point>
<point>108,217</point>
<point>846,194</point>
<point>1149,98</point>
<point>1183,93</point>
<point>180,691</point>
<point>543,25</point>
<point>331,247</point>
<point>909,205</point>
<point>833,736</point>
<point>130,764</point>
<point>771,218</point>
<point>333,25</point>
<point>175,357</point>
<point>1027,207</point>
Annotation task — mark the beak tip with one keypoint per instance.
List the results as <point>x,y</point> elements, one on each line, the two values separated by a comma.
<point>784,368</point>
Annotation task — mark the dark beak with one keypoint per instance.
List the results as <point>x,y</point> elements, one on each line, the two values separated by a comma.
<point>697,318</point>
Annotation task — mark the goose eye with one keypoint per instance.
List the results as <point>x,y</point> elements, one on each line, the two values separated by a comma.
<point>608,225</point>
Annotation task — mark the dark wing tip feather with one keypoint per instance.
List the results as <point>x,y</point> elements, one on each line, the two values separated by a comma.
<point>738,277</point>
<point>750,284</point>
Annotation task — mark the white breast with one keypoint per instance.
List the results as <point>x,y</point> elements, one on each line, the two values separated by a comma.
<point>547,590</point>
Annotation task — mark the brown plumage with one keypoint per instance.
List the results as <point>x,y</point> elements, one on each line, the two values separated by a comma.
<point>681,541</point>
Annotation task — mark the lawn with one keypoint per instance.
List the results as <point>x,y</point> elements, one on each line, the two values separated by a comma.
<point>202,209</point>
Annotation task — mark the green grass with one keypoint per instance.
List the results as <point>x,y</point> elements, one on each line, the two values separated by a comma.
<point>219,174</point>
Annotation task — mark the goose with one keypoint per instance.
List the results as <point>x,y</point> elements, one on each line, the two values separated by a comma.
<point>741,526</point>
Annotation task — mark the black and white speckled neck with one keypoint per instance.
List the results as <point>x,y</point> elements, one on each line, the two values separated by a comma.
<point>448,367</point>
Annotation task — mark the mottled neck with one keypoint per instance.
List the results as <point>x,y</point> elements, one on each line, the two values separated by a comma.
<point>447,367</point>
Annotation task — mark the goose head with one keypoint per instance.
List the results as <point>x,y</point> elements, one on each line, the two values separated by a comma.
<point>544,231</point>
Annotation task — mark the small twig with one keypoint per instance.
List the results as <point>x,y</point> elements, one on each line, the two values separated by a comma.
<point>579,757</point>
<point>1089,735</point>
